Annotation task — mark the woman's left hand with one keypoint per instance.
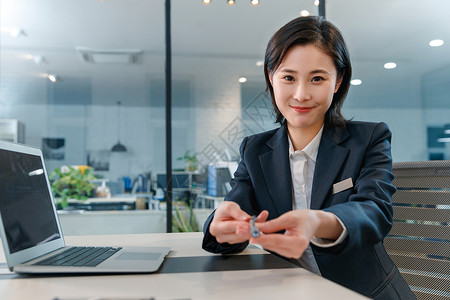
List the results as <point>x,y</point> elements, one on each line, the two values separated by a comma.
<point>300,227</point>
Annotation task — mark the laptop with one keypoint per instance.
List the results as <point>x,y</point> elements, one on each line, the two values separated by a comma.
<point>31,233</point>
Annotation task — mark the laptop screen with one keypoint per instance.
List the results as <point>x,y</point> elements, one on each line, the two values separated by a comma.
<point>25,202</point>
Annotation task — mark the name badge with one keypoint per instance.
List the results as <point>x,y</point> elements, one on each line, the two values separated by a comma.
<point>342,185</point>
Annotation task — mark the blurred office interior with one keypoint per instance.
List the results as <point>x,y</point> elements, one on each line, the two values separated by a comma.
<point>82,79</point>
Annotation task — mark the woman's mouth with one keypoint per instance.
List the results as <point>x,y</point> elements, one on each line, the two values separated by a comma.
<point>301,109</point>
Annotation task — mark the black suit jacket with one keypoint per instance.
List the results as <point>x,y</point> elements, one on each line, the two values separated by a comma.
<point>360,151</point>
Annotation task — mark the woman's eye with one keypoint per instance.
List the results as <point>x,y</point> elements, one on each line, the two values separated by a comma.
<point>288,78</point>
<point>316,79</point>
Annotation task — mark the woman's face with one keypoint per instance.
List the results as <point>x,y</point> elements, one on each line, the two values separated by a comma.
<point>304,85</point>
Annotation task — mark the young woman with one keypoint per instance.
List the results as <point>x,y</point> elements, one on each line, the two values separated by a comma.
<point>320,185</point>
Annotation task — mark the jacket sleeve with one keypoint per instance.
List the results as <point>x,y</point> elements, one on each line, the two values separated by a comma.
<point>368,213</point>
<point>242,193</point>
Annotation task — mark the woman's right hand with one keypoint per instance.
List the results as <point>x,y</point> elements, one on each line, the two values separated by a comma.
<point>231,224</point>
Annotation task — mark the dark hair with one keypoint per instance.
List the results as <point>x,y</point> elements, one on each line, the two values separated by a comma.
<point>323,34</point>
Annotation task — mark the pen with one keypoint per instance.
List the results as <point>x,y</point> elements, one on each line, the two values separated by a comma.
<point>254,231</point>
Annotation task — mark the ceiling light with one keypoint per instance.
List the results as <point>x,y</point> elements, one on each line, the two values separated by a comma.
<point>52,77</point>
<point>444,140</point>
<point>260,63</point>
<point>356,82</point>
<point>436,43</point>
<point>16,32</point>
<point>304,13</point>
<point>231,2</point>
<point>39,59</point>
<point>118,147</point>
<point>207,2</point>
<point>25,56</point>
<point>316,2</point>
<point>254,2</point>
<point>447,129</point>
<point>390,65</point>
<point>110,56</point>
<point>242,79</point>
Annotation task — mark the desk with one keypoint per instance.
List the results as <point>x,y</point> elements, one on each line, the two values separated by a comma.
<point>120,221</point>
<point>266,282</point>
<point>123,202</point>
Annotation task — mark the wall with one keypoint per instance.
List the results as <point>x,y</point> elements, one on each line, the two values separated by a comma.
<point>210,116</point>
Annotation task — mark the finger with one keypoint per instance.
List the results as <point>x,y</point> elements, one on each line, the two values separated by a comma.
<point>244,232</point>
<point>218,227</point>
<point>231,239</point>
<point>240,235</point>
<point>287,246</point>
<point>262,217</point>
<point>281,223</point>
<point>231,210</point>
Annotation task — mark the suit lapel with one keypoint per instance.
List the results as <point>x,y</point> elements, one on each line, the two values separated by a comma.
<point>277,172</point>
<point>330,159</point>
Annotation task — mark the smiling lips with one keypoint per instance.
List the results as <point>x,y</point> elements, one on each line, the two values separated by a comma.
<point>301,109</point>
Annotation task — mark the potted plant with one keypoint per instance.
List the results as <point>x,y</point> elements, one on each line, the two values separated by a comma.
<point>72,183</point>
<point>183,218</point>
<point>191,160</point>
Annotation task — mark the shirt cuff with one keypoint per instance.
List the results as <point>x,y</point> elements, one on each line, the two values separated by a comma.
<point>325,243</point>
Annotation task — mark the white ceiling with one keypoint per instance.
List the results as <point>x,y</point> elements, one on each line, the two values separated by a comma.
<point>376,31</point>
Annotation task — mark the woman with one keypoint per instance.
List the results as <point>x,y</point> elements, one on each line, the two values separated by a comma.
<point>320,185</point>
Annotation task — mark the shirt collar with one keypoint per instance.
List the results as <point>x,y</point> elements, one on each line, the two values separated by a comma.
<point>311,149</point>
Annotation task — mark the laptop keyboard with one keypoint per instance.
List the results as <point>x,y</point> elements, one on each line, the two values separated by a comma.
<point>80,256</point>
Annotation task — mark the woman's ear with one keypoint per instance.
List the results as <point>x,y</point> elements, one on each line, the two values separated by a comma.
<point>270,76</point>
<point>338,83</point>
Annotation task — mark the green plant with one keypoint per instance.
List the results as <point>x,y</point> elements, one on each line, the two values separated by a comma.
<point>69,182</point>
<point>184,221</point>
<point>191,160</point>
<point>183,218</point>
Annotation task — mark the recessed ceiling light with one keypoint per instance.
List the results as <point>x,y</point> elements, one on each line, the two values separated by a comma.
<point>16,32</point>
<point>390,65</point>
<point>436,43</point>
<point>316,2</point>
<point>356,82</point>
<point>304,13</point>
<point>207,2</point>
<point>52,77</point>
<point>254,2</point>
<point>230,2</point>
<point>444,140</point>
<point>25,56</point>
<point>39,59</point>
<point>242,79</point>
<point>259,63</point>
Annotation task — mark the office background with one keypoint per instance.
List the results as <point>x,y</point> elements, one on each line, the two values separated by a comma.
<point>104,52</point>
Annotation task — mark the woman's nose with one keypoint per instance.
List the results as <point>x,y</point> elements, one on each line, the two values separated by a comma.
<point>302,92</point>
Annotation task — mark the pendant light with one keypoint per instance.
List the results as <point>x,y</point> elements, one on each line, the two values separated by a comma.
<point>118,147</point>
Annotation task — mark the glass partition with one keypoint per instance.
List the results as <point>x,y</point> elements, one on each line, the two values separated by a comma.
<point>80,77</point>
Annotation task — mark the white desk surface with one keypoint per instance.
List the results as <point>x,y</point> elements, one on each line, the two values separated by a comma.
<point>287,283</point>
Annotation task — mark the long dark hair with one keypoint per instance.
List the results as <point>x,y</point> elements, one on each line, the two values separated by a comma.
<point>321,33</point>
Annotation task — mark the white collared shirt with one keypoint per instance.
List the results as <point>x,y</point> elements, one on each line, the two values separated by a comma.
<point>303,164</point>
